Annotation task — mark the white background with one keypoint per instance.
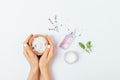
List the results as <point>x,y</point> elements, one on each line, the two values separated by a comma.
<point>98,20</point>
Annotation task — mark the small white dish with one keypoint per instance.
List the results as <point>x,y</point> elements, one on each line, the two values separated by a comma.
<point>71,57</point>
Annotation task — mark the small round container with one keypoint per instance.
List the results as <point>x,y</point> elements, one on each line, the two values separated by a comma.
<point>71,57</point>
<point>38,44</point>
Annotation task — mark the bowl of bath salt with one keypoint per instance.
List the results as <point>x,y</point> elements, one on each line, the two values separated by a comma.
<point>71,57</point>
<point>38,43</point>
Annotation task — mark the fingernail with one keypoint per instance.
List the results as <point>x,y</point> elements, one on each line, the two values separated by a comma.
<point>31,34</point>
<point>25,44</point>
<point>48,46</point>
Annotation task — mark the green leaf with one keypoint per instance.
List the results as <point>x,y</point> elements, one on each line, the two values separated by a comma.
<point>81,45</point>
<point>88,44</point>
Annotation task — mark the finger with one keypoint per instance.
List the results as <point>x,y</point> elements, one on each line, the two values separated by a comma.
<point>28,38</point>
<point>29,51</point>
<point>45,54</point>
<point>50,43</point>
<point>49,40</point>
<point>25,53</point>
<point>51,53</point>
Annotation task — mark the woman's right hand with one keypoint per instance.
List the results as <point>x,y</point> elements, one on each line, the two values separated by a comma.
<point>32,59</point>
<point>30,55</point>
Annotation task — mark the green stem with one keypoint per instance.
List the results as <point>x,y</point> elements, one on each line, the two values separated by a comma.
<point>87,51</point>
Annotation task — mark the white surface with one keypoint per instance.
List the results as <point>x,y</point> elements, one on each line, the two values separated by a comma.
<point>98,20</point>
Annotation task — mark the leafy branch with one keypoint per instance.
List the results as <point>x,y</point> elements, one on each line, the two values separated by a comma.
<point>86,47</point>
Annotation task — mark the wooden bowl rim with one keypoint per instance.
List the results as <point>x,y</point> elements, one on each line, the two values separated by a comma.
<point>30,43</point>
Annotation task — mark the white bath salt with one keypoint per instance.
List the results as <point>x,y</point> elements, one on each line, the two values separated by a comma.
<point>71,57</point>
<point>39,44</point>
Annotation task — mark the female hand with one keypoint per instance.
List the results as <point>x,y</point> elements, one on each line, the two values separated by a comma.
<point>45,60</point>
<point>32,59</point>
<point>30,55</point>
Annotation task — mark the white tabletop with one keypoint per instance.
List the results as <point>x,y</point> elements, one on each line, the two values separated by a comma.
<point>97,20</point>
